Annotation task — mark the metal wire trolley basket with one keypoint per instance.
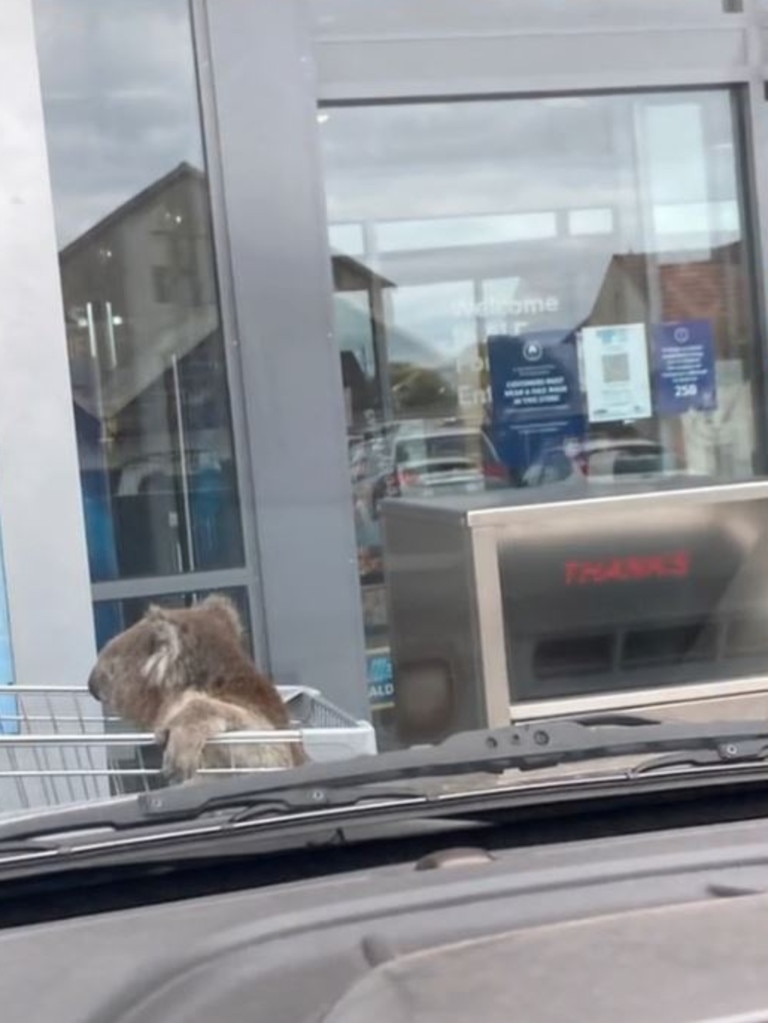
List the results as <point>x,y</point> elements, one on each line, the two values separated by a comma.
<point>58,745</point>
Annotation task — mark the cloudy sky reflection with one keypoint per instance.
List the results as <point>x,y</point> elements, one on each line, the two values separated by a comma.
<point>120,100</point>
<point>538,193</point>
<point>433,195</point>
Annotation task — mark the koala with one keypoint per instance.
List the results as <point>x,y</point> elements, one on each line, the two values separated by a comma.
<point>185,675</point>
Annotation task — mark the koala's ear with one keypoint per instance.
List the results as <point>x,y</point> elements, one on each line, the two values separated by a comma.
<point>225,609</point>
<point>165,643</point>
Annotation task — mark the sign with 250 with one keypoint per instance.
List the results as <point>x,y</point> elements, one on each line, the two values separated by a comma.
<point>684,367</point>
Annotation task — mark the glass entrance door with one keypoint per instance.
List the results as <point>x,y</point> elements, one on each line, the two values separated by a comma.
<point>536,290</point>
<point>146,346</point>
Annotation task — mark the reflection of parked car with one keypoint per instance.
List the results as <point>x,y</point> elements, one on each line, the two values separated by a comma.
<point>446,460</point>
<point>601,460</point>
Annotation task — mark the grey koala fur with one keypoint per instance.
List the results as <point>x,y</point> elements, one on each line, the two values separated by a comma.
<point>185,675</point>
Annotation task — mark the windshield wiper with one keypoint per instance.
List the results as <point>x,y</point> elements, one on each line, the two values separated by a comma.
<point>745,752</point>
<point>318,786</point>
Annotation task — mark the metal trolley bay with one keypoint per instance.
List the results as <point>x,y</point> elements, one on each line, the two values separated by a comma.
<point>58,745</point>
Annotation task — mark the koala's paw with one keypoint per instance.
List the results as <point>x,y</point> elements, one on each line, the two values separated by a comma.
<point>182,754</point>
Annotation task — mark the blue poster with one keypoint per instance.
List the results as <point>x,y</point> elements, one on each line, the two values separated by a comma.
<point>537,403</point>
<point>684,367</point>
<point>521,445</point>
<point>381,687</point>
<point>534,374</point>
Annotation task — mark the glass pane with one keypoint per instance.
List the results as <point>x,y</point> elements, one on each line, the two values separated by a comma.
<point>144,336</point>
<point>555,290</point>
<point>112,616</point>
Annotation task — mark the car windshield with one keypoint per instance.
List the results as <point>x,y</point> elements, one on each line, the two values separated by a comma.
<point>450,447</point>
<point>415,391</point>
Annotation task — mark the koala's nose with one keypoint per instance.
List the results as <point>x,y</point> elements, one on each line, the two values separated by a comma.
<point>93,687</point>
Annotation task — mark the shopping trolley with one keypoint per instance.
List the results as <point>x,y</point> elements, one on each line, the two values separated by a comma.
<point>58,745</point>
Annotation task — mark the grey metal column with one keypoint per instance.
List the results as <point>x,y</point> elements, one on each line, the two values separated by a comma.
<point>40,504</point>
<point>756,168</point>
<point>270,174</point>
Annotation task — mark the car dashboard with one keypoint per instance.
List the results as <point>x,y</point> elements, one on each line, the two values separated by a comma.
<point>666,926</point>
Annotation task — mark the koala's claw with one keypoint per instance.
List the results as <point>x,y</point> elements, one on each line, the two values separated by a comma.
<point>182,755</point>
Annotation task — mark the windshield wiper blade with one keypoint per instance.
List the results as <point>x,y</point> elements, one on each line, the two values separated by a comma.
<point>26,833</point>
<point>530,746</point>
<point>748,751</point>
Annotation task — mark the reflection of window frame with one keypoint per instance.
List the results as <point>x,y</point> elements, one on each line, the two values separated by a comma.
<point>351,276</point>
<point>162,285</point>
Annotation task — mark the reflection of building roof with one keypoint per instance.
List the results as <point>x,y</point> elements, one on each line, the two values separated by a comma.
<point>351,275</point>
<point>153,333</point>
<point>135,204</point>
<point>712,287</point>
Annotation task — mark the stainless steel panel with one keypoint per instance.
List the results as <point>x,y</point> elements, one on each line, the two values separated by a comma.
<point>744,698</point>
<point>594,597</point>
<point>491,627</point>
<point>610,595</point>
<point>434,624</point>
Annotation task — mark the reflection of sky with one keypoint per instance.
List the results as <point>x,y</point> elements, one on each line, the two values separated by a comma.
<point>352,327</point>
<point>121,111</point>
<point>421,161</point>
<point>455,191</point>
<point>120,101</point>
<point>429,311</point>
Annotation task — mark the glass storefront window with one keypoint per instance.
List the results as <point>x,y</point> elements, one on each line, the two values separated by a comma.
<point>129,611</point>
<point>545,290</point>
<point>144,335</point>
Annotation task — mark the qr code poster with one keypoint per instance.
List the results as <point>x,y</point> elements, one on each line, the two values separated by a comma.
<point>616,377</point>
